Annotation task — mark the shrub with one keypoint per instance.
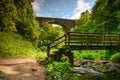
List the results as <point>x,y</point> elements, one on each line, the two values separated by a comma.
<point>115,57</point>
<point>40,55</point>
<point>1,74</point>
<point>87,56</point>
<point>60,71</point>
<point>108,54</point>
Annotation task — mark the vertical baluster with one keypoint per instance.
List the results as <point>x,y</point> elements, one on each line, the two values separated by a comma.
<point>65,40</point>
<point>119,41</point>
<point>48,50</point>
<point>97,41</point>
<point>104,41</point>
<point>87,40</point>
<point>68,39</point>
<point>110,41</point>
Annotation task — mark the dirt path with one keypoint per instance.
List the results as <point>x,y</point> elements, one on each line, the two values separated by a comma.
<point>21,69</point>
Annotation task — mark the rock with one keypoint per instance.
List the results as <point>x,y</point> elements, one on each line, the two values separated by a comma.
<point>101,66</point>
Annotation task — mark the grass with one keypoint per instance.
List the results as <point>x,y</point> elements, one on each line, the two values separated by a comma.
<point>89,54</point>
<point>41,55</point>
<point>14,45</point>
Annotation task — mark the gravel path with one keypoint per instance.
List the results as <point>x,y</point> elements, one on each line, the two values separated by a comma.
<point>21,69</point>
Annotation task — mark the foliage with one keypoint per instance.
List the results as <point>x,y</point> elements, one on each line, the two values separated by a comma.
<point>40,55</point>
<point>17,19</point>
<point>14,45</point>
<point>26,23</point>
<point>60,71</point>
<point>108,54</point>
<point>91,54</point>
<point>49,34</point>
<point>18,16</point>
<point>8,15</point>
<point>115,57</point>
<point>88,56</point>
<point>83,22</point>
<point>104,13</point>
<point>1,74</point>
<point>105,17</point>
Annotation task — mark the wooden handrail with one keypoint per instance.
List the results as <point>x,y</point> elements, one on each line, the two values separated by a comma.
<point>52,45</point>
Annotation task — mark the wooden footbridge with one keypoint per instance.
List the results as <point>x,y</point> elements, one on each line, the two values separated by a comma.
<point>86,41</point>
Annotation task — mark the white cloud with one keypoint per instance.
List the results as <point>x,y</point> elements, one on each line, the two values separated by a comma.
<point>81,6</point>
<point>53,9</point>
<point>37,6</point>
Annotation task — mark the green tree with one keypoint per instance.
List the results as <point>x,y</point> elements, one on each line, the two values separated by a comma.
<point>18,15</point>
<point>83,21</point>
<point>104,13</point>
<point>49,33</point>
<point>26,23</point>
<point>8,15</point>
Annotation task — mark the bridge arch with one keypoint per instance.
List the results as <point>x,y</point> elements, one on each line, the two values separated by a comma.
<point>65,28</point>
<point>67,24</point>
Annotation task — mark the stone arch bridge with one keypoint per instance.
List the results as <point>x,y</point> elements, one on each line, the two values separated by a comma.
<point>67,24</point>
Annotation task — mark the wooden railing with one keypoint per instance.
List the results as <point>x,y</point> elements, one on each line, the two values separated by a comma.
<point>87,41</point>
<point>55,43</point>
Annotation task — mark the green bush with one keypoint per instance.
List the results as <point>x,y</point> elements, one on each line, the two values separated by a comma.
<point>115,57</point>
<point>108,54</point>
<point>60,71</point>
<point>1,74</point>
<point>94,54</point>
<point>40,55</point>
<point>88,56</point>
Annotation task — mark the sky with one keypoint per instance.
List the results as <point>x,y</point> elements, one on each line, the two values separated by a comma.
<point>68,9</point>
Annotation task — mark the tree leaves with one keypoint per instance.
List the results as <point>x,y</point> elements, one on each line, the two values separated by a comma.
<point>105,17</point>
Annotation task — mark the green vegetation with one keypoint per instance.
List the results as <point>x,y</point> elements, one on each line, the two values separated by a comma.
<point>20,34</point>
<point>12,44</point>
<point>60,71</point>
<point>104,17</point>
<point>40,55</point>
<point>19,30</point>
<point>115,57</point>
<point>90,54</point>
<point>49,34</point>
<point>94,54</point>
<point>1,74</point>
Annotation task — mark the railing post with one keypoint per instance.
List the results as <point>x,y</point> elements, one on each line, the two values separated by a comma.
<point>68,39</point>
<point>48,50</point>
<point>119,41</point>
<point>104,41</point>
<point>65,40</point>
<point>97,41</point>
<point>87,40</point>
<point>110,41</point>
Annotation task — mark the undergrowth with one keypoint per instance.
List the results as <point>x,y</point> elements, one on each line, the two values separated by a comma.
<point>14,45</point>
<point>1,74</point>
<point>60,71</point>
<point>115,58</point>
